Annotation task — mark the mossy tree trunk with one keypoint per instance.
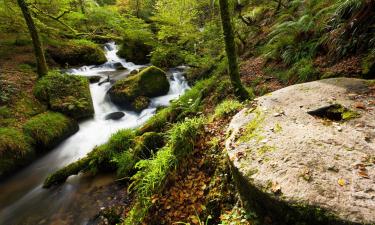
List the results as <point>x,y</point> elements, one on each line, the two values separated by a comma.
<point>230,48</point>
<point>38,48</point>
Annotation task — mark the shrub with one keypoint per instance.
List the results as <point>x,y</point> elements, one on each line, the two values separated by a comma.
<point>65,93</point>
<point>15,150</point>
<point>49,129</point>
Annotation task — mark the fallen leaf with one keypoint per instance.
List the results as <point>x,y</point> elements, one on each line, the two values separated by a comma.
<point>275,188</point>
<point>363,174</point>
<point>341,182</point>
<point>359,105</point>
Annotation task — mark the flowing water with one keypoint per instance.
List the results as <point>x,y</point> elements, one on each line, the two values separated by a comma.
<point>24,201</point>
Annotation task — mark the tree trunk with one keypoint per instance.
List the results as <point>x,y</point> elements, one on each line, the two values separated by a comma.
<point>230,48</point>
<point>38,48</point>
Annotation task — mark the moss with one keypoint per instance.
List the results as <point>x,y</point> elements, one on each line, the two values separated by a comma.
<point>150,82</point>
<point>140,103</point>
<point>62,175</point>
<point>49,129</point>
<point>15,150</point>
<point>252,129</point>
<point>67,94</point>
<point>77,53</point>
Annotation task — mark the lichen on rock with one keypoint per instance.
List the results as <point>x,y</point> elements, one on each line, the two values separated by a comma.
<point>309,168</point>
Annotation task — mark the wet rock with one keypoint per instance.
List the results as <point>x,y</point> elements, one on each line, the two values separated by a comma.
<point>330,166</point>
<point>115,116</point>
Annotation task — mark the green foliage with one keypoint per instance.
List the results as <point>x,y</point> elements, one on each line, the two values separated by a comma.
<point>302,71</point>
<point>292,41</point>
<point>15,150</point>
<point>144,147</point>
<point>152,173</point>
<point>227,108</point>
<point>49,129</point>
<point>67,94</point>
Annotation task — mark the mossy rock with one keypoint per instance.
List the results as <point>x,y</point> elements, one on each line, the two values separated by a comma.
<point>49,129</point>
<point>150,82</point>
<point>15,150</point>
<point>77,53</point>
<point>135,51</point>
<point>65,93</point>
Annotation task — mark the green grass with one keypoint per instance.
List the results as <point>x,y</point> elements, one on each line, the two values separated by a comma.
<point>49,129</point>
<point>152,173</point>
<point>227,108</point>
<point>15,150</point>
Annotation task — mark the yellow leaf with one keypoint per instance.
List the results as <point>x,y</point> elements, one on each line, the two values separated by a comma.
<point>341,182</point>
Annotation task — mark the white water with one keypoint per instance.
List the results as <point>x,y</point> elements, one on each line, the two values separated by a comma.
<point>23,201</point>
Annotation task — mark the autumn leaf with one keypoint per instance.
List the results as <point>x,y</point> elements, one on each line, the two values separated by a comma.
<point>341,182</point>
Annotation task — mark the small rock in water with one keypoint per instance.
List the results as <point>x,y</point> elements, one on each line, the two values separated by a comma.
<point>115,116</point>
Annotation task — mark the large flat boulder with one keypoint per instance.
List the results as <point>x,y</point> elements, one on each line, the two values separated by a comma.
<point>307,152</point>
<point>133,91</point>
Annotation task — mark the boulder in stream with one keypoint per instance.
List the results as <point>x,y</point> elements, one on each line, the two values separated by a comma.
<point>150,82</point>
<point>115,116</point>
<point>307,152</point>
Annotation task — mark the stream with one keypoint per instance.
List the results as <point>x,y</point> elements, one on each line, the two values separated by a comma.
<point>22,198</point>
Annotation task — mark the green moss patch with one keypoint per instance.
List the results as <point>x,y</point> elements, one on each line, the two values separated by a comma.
<point>15,150</point>
<point>150,82</point>
<point>49,129</point>
<point>77,53</point>
<point>67,94</point>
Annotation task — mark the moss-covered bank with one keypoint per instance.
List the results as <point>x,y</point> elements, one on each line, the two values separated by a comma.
<point>15,150</point>
<point>65,93</point>
<point>49,129</point>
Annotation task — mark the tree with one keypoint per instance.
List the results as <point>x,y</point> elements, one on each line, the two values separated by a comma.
<point>230,48</point>
<point>38,48</point>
